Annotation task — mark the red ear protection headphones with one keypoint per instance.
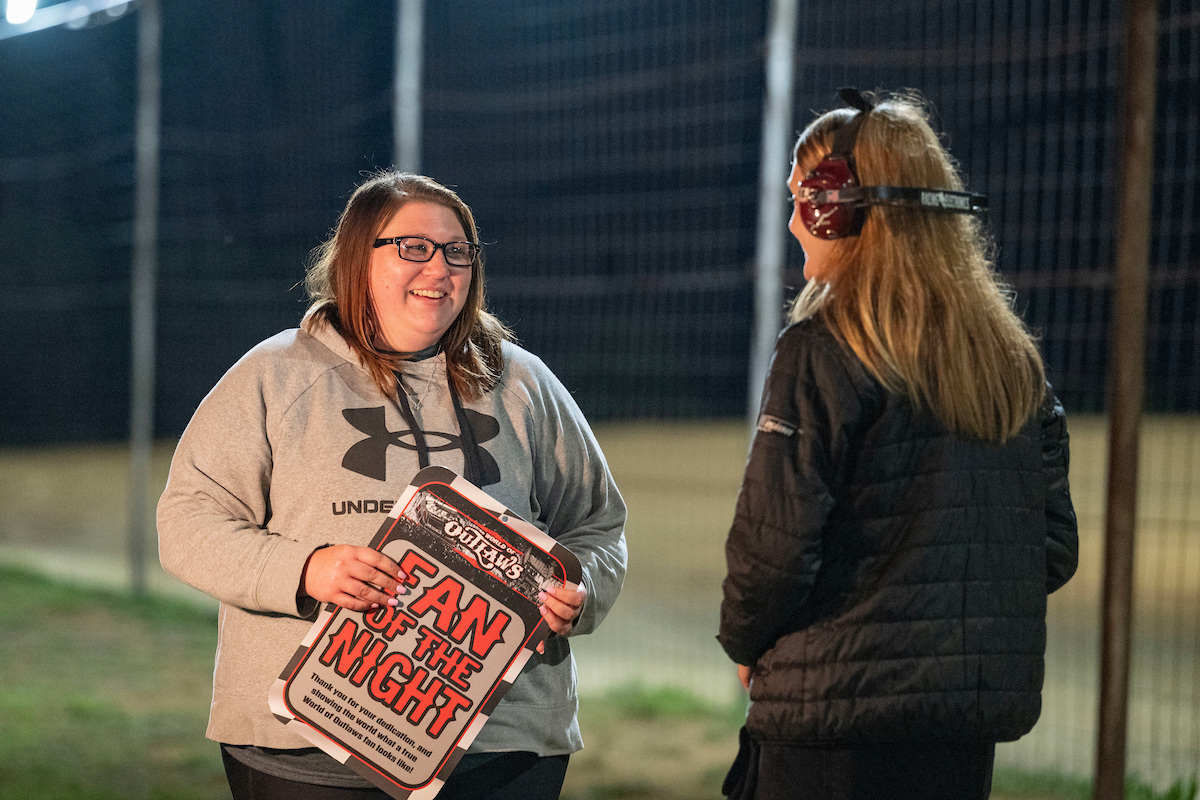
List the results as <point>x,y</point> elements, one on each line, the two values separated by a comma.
<point>832,205</point>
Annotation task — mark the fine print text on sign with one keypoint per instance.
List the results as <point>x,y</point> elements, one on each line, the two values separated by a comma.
<point>398,694</point>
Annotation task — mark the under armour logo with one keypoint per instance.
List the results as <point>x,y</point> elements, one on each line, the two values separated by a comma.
<point>369,457</point>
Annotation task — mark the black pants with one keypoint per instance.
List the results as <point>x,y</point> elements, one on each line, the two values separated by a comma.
<point>506,776</point>
<point>917,771</point>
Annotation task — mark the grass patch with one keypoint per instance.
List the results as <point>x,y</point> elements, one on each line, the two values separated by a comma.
<point>1136,789</point>
<point>637,702</point>
<point>106,695</point>
<point>652,743</point>
<point>1019,784</point>
<point>106,698</point>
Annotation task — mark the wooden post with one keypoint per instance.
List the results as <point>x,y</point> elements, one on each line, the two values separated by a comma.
<point>1126,387</point>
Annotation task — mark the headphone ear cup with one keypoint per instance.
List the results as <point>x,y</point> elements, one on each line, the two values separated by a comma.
<point>830,220</point>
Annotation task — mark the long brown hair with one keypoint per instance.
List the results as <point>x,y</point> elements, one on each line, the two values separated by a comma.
<point>338,285</point>
<point>916,296</point>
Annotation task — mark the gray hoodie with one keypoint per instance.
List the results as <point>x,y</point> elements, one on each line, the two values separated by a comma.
<point>295,447</point>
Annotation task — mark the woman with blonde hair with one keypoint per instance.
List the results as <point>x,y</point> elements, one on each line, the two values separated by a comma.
<point>905,509</point>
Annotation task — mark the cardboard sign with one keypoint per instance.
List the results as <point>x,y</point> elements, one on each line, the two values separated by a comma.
<point>397,694</point>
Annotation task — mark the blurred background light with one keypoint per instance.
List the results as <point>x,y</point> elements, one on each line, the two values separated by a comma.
<point>18,12</point>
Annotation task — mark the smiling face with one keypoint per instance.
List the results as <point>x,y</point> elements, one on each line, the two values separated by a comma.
<point>415,303</point>
<point>816,250</point>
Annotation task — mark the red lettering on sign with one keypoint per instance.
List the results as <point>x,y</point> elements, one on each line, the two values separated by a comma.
<point>486,634</point>
<point>422,699</point>
<point>383,687</point>
<point>426,639</point>
<point>454,701</point>
<point>349,649</point>
<point>369,661</point>
<point>444,658</point>
<point>389,621</point>
<point>443,598</point>
<point>449,661</point>
<point>463,670</point>
<point>412,563</point>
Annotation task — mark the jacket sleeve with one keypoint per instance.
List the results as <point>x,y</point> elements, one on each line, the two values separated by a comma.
<point>214,515</point>
<point>1062,530</point>
<point>577,498</point>
<point>774,549</point>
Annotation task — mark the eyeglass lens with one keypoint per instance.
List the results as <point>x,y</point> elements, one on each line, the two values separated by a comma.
<point>414,248</point>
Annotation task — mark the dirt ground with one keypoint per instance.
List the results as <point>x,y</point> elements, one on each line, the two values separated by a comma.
<point>650,759</point>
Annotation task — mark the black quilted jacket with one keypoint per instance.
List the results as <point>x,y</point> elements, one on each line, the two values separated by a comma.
<point>887,579</point>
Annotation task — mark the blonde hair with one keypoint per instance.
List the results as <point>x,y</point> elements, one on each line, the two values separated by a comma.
<point>338,281</point>
<point>916,296</point>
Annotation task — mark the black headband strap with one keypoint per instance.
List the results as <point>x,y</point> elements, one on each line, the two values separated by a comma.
<point>843,137</point>
<point>853,98</point>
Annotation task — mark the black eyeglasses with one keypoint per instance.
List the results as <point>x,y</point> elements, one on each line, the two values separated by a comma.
<point>420,249</point>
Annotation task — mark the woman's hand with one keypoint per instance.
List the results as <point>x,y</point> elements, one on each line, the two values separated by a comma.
<point>561,606</point>
<point>745,675</point>
<point>357,578</point>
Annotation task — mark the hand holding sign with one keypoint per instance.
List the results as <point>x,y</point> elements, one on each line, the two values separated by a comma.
<point>357,578</point>
<point>399,691</point>
<point>561,606</point>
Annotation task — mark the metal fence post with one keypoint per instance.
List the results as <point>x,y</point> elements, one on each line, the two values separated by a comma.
<point>143,282</point>
<point>771,236</point>
<point>406,105</point>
